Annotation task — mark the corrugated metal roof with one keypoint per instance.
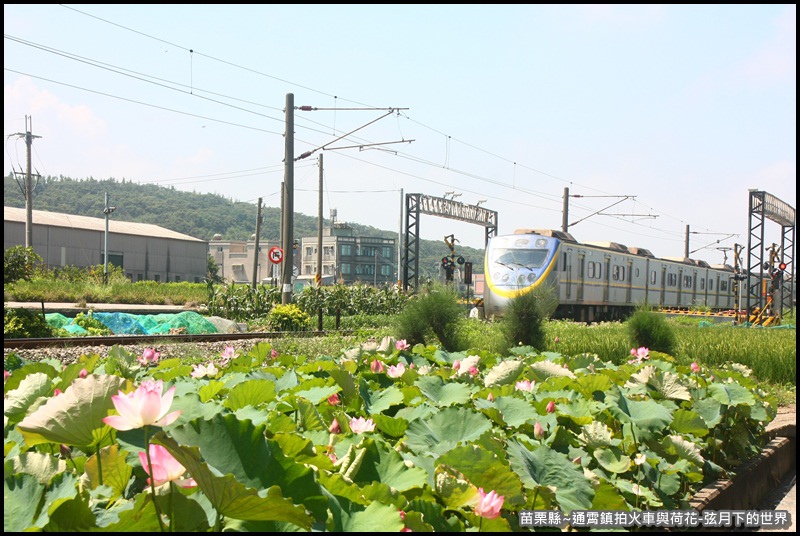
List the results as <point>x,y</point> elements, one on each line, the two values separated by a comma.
<point>57,219</point>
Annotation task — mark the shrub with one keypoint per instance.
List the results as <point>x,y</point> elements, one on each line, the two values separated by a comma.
<point>651,330</point>
<point>24,324</point>
<point>525,317</point>
<point>288,317</point>
<point>19,263</point>
<point>435,311</point>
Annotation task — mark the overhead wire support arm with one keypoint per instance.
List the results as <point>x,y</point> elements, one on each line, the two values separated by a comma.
<point>309,153</point>
<point>624,198</point>
<point>363,145</point>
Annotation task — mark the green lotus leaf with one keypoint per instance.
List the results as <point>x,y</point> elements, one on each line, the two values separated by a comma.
<point>22,495</point>
<point>612,459</point>
<point>352,517</point>
<point>453,488</point>
<point>685,421</point>
<point>546,467</point>
<point>210,390</point>
<point>250,393</point>
<point>710,410</point>
<point>597,434</point>
<point>644,414</point>
<point>115,468</point>
<point>230,497</point>
<point>381,463</point>
<point>75,416</point>
<point>434,515</point>
<point>445,430</point>
<point>380,400</point>
<point>391,426</point>
<point>731,394</point>
<point>581,411</point>
<point>42,466</point>
<point>18,402</point>
<point>684,449</point>
<point>504,373</point>
<point>443,393</point>
<point>607,497</point>
<point>508,410</point>
<point>589,384</point>
<point>485,470</point>
<point>310,418</point>
<point>666,384</point>
<point>346,381</point>
<point>547,369</point>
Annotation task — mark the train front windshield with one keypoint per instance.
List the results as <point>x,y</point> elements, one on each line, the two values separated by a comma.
<point>531,258</point>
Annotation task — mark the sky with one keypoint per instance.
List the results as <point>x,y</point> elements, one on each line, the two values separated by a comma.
<point>654,119</point>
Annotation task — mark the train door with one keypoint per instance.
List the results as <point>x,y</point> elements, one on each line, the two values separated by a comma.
<point>663,300</point>
<point>566,274</point>
<point>680,287</point>
<point>607,278</point>
<point>581,277</point>
<point>629,289</point>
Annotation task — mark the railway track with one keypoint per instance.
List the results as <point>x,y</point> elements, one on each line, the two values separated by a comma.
<point>111,340</point>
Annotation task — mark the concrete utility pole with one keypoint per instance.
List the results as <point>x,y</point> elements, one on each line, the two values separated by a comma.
<point>255,250</point>
<point>319,228</point>
<point>28,188</point>
<point>107,210</point>
<point>288,204</point>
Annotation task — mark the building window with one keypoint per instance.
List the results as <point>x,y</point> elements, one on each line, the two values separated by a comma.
<point>346,268</point>
<point>347,250</point>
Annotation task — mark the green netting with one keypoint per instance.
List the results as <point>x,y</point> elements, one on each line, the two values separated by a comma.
<point>128,324</point>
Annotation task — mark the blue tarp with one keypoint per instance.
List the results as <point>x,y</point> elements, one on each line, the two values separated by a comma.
<point>129,324</point>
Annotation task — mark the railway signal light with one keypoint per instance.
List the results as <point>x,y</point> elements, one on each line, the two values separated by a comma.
<point>782,266</point>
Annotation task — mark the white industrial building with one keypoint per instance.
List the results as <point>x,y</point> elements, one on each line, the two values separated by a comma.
<point>144,251</point>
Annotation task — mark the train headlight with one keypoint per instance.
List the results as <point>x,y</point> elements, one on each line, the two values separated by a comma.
<point>520,280</point>
<point>541,243</point>
<point>532,277</point>
<point>505,278</point>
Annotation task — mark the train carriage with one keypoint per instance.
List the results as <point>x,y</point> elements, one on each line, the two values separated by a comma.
<point>600,280</point>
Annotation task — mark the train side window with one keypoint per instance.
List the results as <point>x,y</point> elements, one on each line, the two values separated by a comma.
<point>636,272</point>
<point>702,284</point>
<point>590,272</point>
<point>687,281</point>
<point>615,273</point>
<point>710,284</point>
<point>653,276</point>
<point>672,280</point>
<point>723,286</point>
<point>622,273</point>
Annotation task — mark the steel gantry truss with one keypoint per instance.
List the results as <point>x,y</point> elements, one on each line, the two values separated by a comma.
<point>762,261</point>
<point>417,204</point>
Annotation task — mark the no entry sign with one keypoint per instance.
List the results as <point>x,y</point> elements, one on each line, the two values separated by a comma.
<point>275,255</point>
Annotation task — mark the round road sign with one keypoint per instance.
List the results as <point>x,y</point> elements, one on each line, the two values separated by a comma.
<point>275,255</point>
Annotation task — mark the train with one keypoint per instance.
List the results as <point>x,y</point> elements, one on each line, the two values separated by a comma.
<point>600,281</point>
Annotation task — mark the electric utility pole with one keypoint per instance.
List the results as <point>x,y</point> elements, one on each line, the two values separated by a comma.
<point>288,204</point>
<point>255,246</point>
<point>28,188</point>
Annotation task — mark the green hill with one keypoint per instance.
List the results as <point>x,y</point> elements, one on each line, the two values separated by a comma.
<point>198,215</point>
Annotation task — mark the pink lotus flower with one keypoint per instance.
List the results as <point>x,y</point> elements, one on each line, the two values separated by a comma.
<point>6,375</point>
<point>557,339</point>
<point>148,357</point>
<point>402,345</point>
<point>456,364</point>
<point>551,406</point>
<point>359,426</point>
<point>489,504</point>
<point>333,400</point>
<point>228,353</point>
<point>273,353</point>
<point>695,367</point>
<point>376,366</point>
<point>538,431</point>
<point>524,385</point>
<point>640,355</point>
<point>143,407</point>
<point>473,371</point>
<point>83,373</point>
<point>490,398</point>
<point>395,371</point>
<point>334,428</point>
<point>165,468</point>
<point>57,392</point>
<point>201,371</point>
